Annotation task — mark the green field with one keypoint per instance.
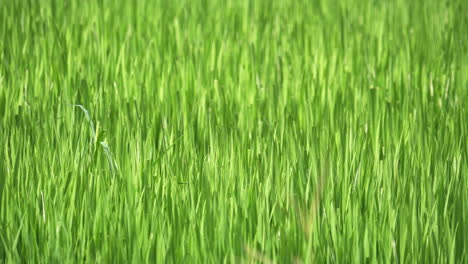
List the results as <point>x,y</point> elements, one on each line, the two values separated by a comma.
<point>236,131</point>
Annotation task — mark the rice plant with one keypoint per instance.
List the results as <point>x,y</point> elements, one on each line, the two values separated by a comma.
<point>237,131</point>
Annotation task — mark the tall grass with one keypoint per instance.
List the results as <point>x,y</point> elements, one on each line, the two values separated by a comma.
<point>234,131</point>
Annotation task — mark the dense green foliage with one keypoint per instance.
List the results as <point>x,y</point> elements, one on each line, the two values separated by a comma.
<point>228,131</point>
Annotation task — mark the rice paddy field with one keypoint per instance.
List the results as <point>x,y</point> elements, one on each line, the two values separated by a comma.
<point>237,131</point>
